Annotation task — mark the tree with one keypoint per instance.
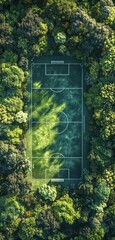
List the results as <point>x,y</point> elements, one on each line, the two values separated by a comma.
<point>81,22</point>
<point>73,42</point>
<point>12,158</point>
<point>62,8</point>
<point>2,237</point>
<point>89,233</point>
<point>43,44</point>
<point>63,50</point>
<point>47,224</point>
<point>5,117</point>
<point>60,38</point>
<point>92,35</point>
<point>94,70</point>
<point>100,156</point>
<point>47,192</point>
<point>107,12</point>
<point>23,63</point>
<point>95,40</point>
<point>17,184</point>
<point>13,105</point>
<point>86,188</point>
<point>36,50</point>
<point>9,57</point>
<point>109,219</point>
<point>101,196</point>
<point>27,228</point>
<point>108,57</point>
<point>11,211</point>
<point>102,106</point>
<point>30,202</point>
<point>21,117</point>
<point>13,134</point>
<point>32,33</point>
<point>12,78</point>
<point>6,30</point>
<point>104,3</point>
<point>106,90</point>
<point>64,210</point>
<point>32,26</point>
<point>109,176</point>
<point>109,128</point>
<point>102,191</point>
<point>6,2</point>
<point>8,156</point>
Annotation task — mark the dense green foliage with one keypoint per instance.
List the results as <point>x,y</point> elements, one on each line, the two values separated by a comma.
<point>82,29</point>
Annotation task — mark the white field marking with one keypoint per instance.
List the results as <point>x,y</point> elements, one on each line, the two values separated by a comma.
<point>82,118</point>
<point>58,122</point>
<point>56,74</point>
<point>48,63</point>
<point>81,88</point>
<point>68,173</point>
<point>65,179</point>
<point>58,157</point>
<point>57,179</point>
<point>55,169</point>
<point>60,154</point>
<point>57,88</point>
<point>57,91</point>
<point>67,122</point>
<point>70,179</point>
<point>84,124</point>
<point>57,62</point>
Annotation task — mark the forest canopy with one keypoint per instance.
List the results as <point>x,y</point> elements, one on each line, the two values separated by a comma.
<point>85,31</point>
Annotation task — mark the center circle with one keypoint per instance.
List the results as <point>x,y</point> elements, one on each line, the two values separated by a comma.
<point>57,154</point>
<point>57,90</point>
<point>63,121</point>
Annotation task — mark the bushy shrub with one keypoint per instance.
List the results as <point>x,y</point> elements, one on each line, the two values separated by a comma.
<point>63,50</point>
<point>64,210</point>
<point>47,192</point>
<point>21,117</point>
<point>60,38</point>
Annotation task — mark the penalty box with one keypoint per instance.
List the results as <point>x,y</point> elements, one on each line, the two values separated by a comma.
<point>57,76</point>
<point>70,170</point>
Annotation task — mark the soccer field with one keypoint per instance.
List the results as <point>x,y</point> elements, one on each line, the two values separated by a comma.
<point>57,121</point>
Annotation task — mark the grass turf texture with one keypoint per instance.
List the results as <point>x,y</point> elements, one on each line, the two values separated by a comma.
<point>56,133</point>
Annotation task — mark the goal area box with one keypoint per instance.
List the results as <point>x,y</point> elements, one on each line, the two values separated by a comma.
<point>56,69</point>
